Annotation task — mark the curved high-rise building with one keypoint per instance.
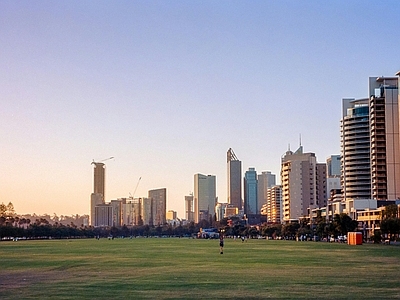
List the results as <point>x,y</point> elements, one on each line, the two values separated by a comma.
<point>355,144</point>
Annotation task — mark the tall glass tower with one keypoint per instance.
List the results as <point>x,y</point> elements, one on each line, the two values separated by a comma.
<point>250,192</point>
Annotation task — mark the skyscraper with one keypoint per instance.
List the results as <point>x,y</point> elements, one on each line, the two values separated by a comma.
<point>355,144</point>
<point>99,179</point>
<point>250,192</point>
<point>97,197</point>
<point>147,211</point>
<point>266,180</point>
<point>234,180</point>
<point>205,197</point>
<point>371,144</point>
<point>189,213</point>
<point>158,198</point>
<point>384,135</point>
<point>303,184</point>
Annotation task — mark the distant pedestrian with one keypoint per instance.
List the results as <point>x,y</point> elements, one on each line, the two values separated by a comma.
<point>221,243</point>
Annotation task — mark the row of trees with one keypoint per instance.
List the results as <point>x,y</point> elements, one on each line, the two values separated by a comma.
<point>13,226</point>
<point>41,228</point>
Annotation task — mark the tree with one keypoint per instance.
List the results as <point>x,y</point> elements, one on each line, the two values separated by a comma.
<point>10,210</point>
<point>289,230</point>
<point>390,226</point>
<point>3,210</point>
<point>344,224</point>
<point>320,225</point>
<point>390,211</point>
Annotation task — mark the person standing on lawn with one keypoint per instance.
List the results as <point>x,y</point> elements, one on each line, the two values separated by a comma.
<point>221,242</point>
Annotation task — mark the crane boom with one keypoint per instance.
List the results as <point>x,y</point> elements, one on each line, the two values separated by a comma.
<point>137,184</point>
<point>95,162</point>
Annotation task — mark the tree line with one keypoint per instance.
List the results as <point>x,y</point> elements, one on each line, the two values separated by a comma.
<point>12,226</point>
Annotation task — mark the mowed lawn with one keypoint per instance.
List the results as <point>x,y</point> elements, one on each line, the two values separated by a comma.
<point>173,268</point>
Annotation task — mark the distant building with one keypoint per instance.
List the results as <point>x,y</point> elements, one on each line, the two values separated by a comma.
<point>95,200</point>
<point>171,215</point>
<point>266,180</point>
<point>127,212</point>
<point>234,180</point>
<point>205,197</point>
<point>99,178</point>
<point>117,211</point>
<point>321,195</point>
<point>332,183</point>
<point>103,215</point>
<point>250,192</point>
<point>274,205</point>
<point>231,211</point>
<point>303,184</point>
<point>147,211</point>
<point>98,195</point>
<point>220,210</point>
<point>333,166</point>
<point>189,208</point>
<point>159,202</point>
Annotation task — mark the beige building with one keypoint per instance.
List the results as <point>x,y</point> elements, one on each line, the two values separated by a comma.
<point>189,212</point>
<point>303,183</point>
<point>103,215</point>
<point>117,211</point>
<point>98,196</point>
<point>147,211</point>
<point>171,215</point>
<point>205,197</point>
<point>273,208</point>
<point>266,180</point>
<point>99,178</point>
<point>159,203</point>
<point>95,199</point>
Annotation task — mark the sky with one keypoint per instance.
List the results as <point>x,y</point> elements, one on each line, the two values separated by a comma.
<point>167,87</point>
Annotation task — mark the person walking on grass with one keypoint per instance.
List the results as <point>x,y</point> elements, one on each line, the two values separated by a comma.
<point>221,243</point>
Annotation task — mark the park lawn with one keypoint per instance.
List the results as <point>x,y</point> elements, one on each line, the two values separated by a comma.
<point>173,268</point>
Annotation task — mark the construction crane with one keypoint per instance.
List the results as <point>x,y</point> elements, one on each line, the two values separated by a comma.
<point>137,184</point>
<point>96,162</point>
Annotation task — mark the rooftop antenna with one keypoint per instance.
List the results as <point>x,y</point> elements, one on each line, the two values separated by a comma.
<point>300,139</point>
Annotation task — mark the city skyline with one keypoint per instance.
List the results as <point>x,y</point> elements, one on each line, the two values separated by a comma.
<point>166,88</point>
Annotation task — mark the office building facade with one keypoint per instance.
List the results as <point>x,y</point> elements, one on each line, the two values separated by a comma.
<point>205,197</point>
<point>303,183</point>
<point>189,206</point>
<point>266,180</point>
<point>274,205</point>
<point>333,166</point>
<point>234,180</point>
<point>251,192</point>
<point>159,206</point>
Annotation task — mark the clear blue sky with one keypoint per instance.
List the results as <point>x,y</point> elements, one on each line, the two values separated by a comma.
<point>166,87</point>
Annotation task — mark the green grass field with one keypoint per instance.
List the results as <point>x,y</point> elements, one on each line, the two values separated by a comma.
<point>172,268</point>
